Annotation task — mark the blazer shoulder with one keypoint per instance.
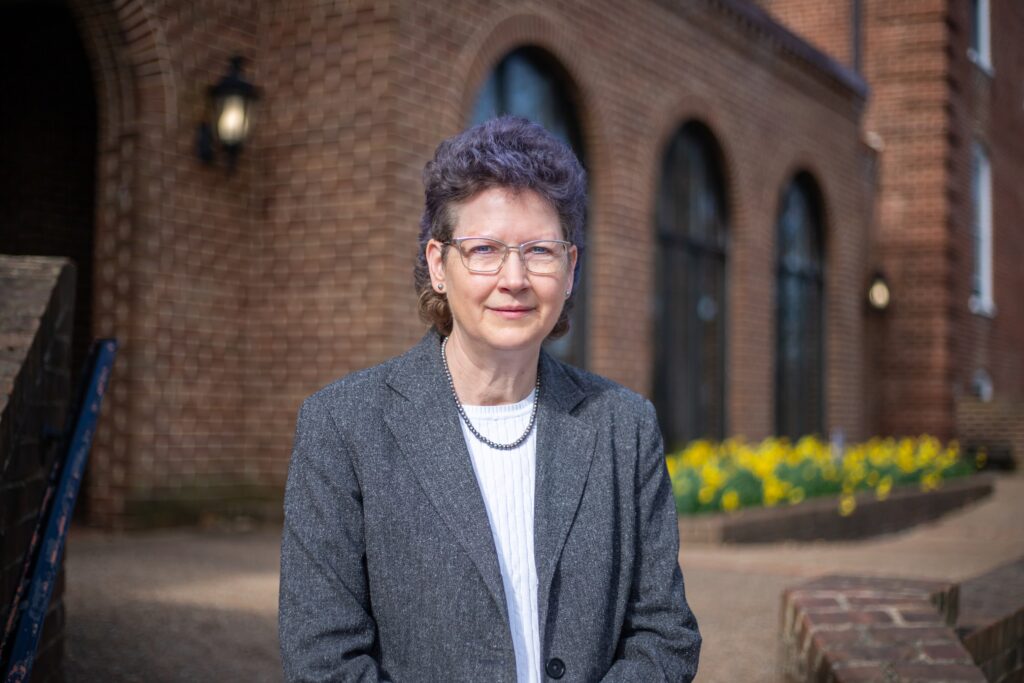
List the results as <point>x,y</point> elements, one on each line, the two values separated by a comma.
<point>605,395</point>
<point>357,390</point>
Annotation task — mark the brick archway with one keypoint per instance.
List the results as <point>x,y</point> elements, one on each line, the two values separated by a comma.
<point>134,88</point>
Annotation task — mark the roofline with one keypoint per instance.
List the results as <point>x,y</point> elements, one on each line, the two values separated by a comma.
<point>754,18</point>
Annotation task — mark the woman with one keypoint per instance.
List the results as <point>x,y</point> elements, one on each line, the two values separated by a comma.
<point>475,510</point>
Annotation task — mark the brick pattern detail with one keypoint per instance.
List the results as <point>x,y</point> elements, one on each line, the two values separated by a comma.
<point>847,629</point>
<point>36,313</point>
<point>341,191</point>
<point>998,426</point>
<point>175,248</point>
<point>827,26</point>
<point>234,296</point>
<point>991,621</point>
<point>929,102</point>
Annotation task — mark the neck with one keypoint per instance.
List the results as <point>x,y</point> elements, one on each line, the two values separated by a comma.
<point>489,377</point>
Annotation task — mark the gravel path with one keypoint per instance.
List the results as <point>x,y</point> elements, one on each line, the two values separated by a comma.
<point>201,606</point>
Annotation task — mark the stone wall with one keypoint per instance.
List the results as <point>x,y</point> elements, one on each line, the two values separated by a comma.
<point>36,316</point>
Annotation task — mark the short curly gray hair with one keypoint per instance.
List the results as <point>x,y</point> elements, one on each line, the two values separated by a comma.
<point>510,152</point>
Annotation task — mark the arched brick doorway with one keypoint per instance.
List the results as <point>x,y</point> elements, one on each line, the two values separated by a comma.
<point>48,124</point>
<point>75,57</point>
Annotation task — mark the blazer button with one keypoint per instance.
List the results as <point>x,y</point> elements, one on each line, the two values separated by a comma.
<point>555,667</point>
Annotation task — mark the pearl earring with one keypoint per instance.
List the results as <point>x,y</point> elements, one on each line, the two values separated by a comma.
<point>440,286</point>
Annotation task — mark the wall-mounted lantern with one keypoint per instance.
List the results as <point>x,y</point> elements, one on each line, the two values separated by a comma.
<point>229,114</point>
<point>879,295</point>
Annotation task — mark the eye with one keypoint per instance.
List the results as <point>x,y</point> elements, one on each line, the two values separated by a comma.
<point>542,249</point>
<point>478,249</point>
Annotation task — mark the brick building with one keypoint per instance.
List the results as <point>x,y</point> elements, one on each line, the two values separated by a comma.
<point>946,114</point>
<point>729,224</point>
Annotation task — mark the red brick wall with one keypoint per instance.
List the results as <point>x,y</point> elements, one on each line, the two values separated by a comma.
<point>996,425</point>
<point>342,190</point>
<point>235,296</point>
<point>988,108</point>
<point>828,26</point>
<point>1006,144</point>
<point>330,288</point>
<point>928,103</point>
<point>768,128</point>
<point>174,245</point>
<point>906,65</point>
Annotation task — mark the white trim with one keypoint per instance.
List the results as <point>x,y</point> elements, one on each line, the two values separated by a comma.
<point>981,30</point>
<point>982,296</point>
<point>984,67</point>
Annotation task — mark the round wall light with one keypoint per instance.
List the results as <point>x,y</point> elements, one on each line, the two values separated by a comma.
<point>879,295</point>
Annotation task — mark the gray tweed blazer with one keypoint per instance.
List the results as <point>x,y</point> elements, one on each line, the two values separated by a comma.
<point>388,566</point>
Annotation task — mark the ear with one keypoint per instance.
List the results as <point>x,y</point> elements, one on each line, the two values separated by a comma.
<point>435,262</point>
<point>573,255</point>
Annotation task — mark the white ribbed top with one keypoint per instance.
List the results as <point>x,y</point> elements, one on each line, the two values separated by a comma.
<point>506,480</point>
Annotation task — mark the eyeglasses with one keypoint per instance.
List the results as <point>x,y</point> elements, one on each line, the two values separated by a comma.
<point>484,255</point>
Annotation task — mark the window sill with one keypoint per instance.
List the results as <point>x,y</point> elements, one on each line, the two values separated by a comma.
<point>982,307</point>
<point>983,65</point>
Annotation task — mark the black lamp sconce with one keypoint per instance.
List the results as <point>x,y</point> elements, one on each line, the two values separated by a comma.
<point>879,294</point>
<point>226,124</point>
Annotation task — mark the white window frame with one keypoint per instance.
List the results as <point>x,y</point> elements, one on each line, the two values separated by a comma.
<point>982,296</point>
<point>981,29</point>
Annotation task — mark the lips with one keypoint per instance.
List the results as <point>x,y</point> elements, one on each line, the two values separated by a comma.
<point>512,312</point>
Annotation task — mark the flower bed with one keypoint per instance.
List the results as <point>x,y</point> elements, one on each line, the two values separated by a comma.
<point>712,477</point>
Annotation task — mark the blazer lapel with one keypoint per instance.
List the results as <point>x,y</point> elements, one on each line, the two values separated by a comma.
<point>565,449</point>
<point>426,426</point>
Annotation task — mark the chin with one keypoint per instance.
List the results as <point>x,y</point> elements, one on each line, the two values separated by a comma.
<point>515,339</point>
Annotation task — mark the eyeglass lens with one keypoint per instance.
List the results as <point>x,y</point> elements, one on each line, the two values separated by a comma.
<point>484,255</point>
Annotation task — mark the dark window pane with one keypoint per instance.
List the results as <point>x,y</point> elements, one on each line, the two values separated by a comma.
<point>529,83</point>
<point>976,20</point>
<point>799,387</point>
<point>689,372</point>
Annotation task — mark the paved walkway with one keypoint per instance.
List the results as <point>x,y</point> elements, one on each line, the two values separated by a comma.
<point>201,606</point>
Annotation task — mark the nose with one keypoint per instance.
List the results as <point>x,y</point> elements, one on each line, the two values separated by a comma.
<point>513,275</point>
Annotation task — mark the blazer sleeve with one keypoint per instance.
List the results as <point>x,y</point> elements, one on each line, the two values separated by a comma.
<point>325,627</point>
<point>660,640</point>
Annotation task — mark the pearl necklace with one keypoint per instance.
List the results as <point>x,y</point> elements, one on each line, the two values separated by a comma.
<point>465,418</point>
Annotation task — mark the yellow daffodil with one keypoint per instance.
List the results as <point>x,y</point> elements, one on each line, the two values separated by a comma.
<point>883,488</point>
<point>712,475</point>
<point>847,504</point>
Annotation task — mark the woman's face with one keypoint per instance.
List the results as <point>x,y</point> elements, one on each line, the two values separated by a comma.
<point>511,309</point>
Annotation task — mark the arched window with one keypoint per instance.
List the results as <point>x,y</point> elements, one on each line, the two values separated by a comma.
<point>800,312</point>
<point>692,237</point>
<point>529,82</point>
